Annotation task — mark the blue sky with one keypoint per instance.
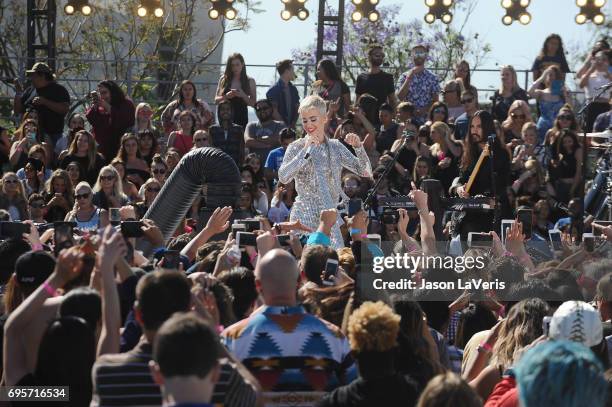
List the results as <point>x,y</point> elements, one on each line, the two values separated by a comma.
<point>271,39</point>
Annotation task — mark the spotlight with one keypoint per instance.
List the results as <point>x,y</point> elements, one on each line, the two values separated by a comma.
<point>439,10</point>
<point>294,8</point>
<point>516,10</point>
<point>365,8</point>
<point>590,10</point>
<point>150,7</point>
<point>222,8</point>
<point>72,6</point>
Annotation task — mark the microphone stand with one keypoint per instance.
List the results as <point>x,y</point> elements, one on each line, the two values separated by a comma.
<point>491,142</point>
<point>369,200</point>
<point>583,118</point>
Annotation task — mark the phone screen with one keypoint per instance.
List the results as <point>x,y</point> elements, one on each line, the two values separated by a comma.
<point>556,87</point>
<point>525,216</point>
<point>479,239</point>
<point>171,259</point>
<point>506,225</point>
<point>13,229</point>
<point>132,228</point>
<point>331,270</point>
<point>62,236</point>
<point>283,240</point>
<point>354,206</point>
<point>244,239</point>
<point>589,242</point>
<point>115,217</point>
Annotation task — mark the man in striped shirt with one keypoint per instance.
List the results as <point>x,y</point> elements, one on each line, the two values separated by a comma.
<point>125,379</point>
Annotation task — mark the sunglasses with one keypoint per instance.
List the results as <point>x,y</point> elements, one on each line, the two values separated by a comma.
<point>11,181</point>
<point>200,140</point>
<point>107,177</point>
<point>467,100</point>
<point>566,117</point>
<point>82,196</point>
<point>517,116</point>
<point>439,110</point>
<point>37,205</point>
<point>160,171</point>
<point>153,189</point>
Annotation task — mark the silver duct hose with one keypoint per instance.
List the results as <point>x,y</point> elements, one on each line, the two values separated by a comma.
<point>206,165</point>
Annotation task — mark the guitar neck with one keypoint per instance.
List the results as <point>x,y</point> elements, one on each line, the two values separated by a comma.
<point>475,171</point>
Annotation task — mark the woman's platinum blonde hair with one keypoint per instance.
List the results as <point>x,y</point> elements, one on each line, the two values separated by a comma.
<point>313,102</point>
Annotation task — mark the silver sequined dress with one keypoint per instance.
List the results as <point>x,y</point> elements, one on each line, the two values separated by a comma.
<point>317,179</point>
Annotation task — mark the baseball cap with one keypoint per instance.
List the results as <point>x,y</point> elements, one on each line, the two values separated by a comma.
<point>33,268</point>
<point>40,67</point>
<point>576,321</point>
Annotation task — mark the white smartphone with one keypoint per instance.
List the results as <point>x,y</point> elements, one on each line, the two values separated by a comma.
<point>555,239</point>
<point>589,242</point>
<point>479,239</point>
<point>505,224</point>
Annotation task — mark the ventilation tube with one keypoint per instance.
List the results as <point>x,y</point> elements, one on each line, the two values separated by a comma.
<point>205,166</point>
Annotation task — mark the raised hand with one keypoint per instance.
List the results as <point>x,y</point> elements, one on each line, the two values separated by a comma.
<point>353,140</point>
<point>219,220</point>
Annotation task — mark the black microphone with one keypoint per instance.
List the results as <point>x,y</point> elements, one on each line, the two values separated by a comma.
<point>308,151</point>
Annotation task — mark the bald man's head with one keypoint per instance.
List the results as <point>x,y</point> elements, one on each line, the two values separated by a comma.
<point>277,277</point>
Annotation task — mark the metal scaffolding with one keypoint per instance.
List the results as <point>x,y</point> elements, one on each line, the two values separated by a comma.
<point>337,20</point>
<point>41,32</point>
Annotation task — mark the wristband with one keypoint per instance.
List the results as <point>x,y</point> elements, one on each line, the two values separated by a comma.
<point>355,231</point>
<point>36,247</point>
<point>50,290</point>
<point>485,347</point>
<point>423,212</point>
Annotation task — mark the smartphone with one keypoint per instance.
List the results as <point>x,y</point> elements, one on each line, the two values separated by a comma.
<point>172,259</point>
<point>525,216</point>
<point>506,224</point>
<point>354,206</point>
<point>546,325</point>
<point>244,239</point>
<point>115,217</point>
<point>283,240</point>
<point>63,236</point>
<point>555,239</point>
<point>390,217</point>
<point>13,229</point>
<point>331,270</point>
<point>132,228</point>
<point>556,87</point>
<point>238,227</point>
<point>251,224</point>
<point>374,238</point>
<point>602,223</point>
<point>479,239</point>
<point>589,242</point>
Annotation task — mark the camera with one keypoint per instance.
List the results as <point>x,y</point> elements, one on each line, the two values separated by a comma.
<point>389,216</point>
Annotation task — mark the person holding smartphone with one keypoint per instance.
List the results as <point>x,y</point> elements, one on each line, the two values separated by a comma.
<point>550,99</point>
<point>316,163</point>
<point>596,75</point>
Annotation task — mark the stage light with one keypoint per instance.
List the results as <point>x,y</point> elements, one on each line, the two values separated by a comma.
<point>516,10</point>
<point>294,8</point>
<point>72,6</point>
<point>590,10</point>
<point>222,8</point>
<point>365,8</point>
<point>150,7</point>
<point>439,10</point>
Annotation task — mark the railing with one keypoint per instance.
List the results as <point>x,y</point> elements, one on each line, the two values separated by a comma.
<point>80,76</point>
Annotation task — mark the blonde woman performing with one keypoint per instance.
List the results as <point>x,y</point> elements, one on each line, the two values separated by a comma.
<point>315,162</point>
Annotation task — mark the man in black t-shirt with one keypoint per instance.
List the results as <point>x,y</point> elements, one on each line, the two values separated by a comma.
<point>50,99</point>
<point>376,82</point>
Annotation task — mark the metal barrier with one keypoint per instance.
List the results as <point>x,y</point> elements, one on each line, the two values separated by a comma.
<point>137,77</point>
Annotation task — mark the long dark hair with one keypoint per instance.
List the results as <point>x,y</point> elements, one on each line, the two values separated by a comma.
<point>470,150</point>
<point>117,94</point>
<point>468,78</point>
<point>436,105</point>
<point>567,133</point>
<point>181,99</point>
<point>226,81</point>
<point>65,357</point>
<point>369,105</point>
<point>560,52</point>
<point>330,69</point>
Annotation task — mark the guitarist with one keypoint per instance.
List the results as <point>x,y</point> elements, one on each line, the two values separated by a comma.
<point>480,127</point>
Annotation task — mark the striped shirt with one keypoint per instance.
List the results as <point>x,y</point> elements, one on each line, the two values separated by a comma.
<point>124,379</point>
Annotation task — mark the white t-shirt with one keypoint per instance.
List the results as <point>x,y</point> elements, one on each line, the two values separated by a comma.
<point>596,79</point>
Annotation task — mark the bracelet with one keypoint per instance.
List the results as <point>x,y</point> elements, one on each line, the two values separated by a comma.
<point>36,247</point>
<point>355,231</point>
<point>423,212</point>
<point>485,347</point>
<point>50,290</point>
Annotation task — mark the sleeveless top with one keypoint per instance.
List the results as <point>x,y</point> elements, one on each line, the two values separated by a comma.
<point>91,224</point>
<point>182,142</point>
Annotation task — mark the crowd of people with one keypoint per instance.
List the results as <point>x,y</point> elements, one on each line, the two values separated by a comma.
<point>126,317</point>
